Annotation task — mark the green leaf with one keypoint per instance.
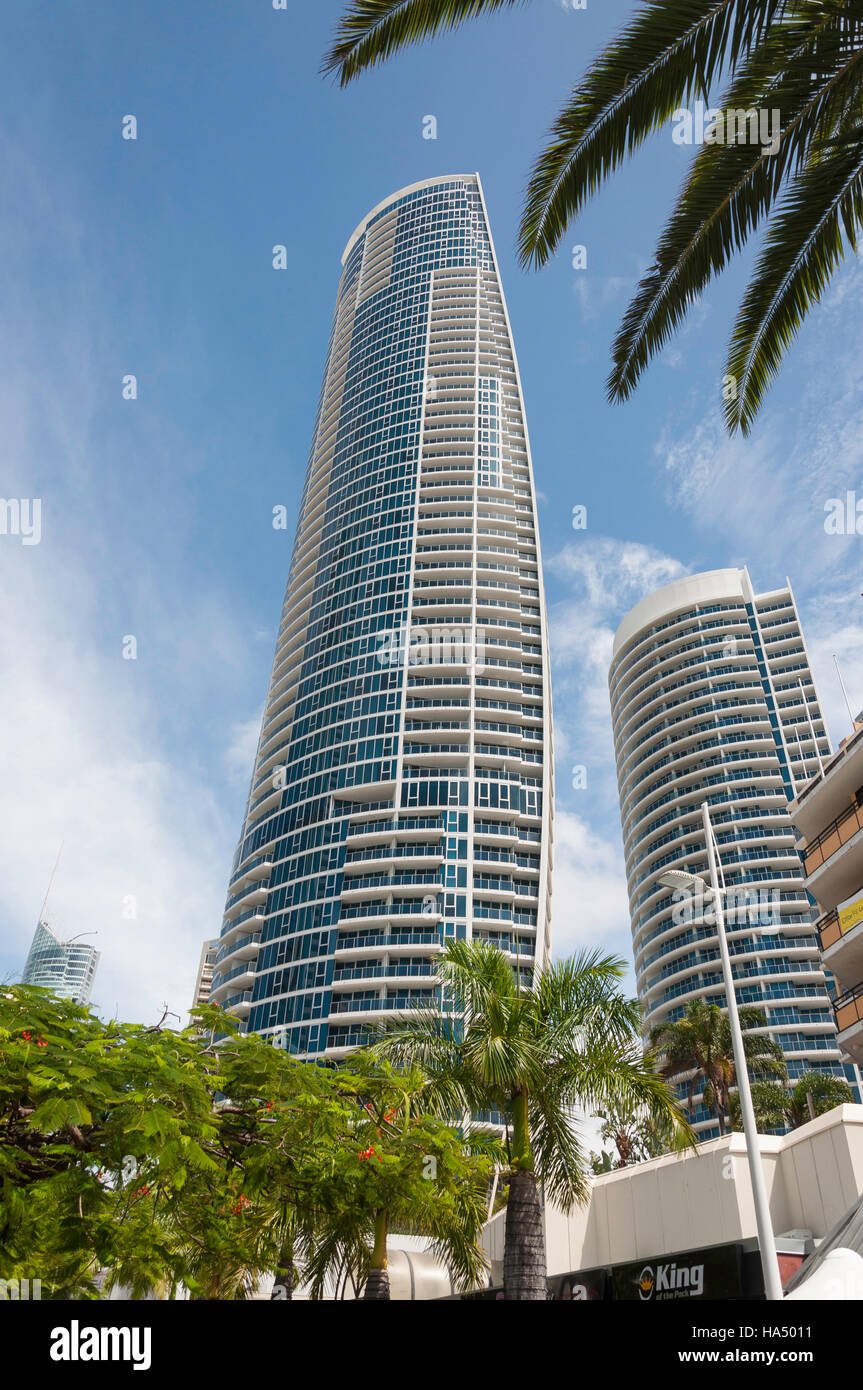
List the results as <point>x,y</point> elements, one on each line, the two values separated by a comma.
<point>57,1113</point>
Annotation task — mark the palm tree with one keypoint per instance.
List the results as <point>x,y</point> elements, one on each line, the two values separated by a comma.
<point>700,1043</point>
<point>802,59</point>
<point>636,1136</point>
<point>776,1106</point>
<point>531,1055</point>
<point>770,1105</point>
<point>826,1091</point>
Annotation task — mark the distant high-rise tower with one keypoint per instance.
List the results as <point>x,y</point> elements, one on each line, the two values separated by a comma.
<point>66,967</point>
<point>402,788</point>
<point>713,700</point>
<point>206,966</point>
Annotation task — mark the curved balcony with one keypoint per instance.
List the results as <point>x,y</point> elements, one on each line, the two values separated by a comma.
<point>247,923</point>
<point>226,986</point>
<point>238,1004</point>
<point>362,947</point>
<point>244,947</point>
<point>252,871</point>
<point>254,894</point>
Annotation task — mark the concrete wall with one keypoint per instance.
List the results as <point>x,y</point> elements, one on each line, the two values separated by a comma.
<point>705,1198</point>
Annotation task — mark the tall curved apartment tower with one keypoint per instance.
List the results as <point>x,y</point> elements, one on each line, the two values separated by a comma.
<point>707,688</point>
<point>402,788</point>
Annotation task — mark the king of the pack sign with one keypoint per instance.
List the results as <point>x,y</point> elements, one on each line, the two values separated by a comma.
<point>711,1273</point>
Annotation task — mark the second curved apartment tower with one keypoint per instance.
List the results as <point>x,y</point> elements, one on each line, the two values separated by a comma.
<point>713,699</point>
<point>402,787</point>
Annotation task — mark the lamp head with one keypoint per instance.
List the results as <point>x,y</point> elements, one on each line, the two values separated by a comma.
<point>677,878</point>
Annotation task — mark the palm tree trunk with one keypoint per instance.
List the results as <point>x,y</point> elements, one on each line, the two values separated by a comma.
<point>377,1288</point>
<point>524,1276</point>
<point>524,1264</point>
<point>283,1286</point>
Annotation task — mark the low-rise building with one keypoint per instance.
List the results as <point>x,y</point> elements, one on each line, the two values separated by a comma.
<point>683,1226</point>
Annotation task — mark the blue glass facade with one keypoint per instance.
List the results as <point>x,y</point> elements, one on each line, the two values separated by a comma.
<point>713,700</point>
<point>67,968</point>
<point>406,735</point>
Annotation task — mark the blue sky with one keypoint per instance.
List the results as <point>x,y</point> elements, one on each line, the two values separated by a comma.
<point>153,257</point>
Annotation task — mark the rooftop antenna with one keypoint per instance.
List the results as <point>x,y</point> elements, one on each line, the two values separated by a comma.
<point>844,691</point>
<point>50,883</point>
<point>812,726</point>
<point>800,754</point>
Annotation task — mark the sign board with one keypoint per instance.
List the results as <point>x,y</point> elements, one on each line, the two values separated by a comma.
<point>587,1286</point>
<point>711,1273</point>
<point>850,913</point>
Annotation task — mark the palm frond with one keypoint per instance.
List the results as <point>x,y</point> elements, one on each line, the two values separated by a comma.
<point>477,974</point>
<point>373,30</point>
<point>453,1222</point>
<point>806,71</point>
<point>504,1058</point>
<point>671,48</point>
<point>586,1004</point>
<point>560,1160</point>
<point>337,1251</point>
<point>804,247</point>
<point>425,1039</point>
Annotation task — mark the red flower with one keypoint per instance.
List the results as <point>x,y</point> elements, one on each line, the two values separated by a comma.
<point>27,1036</point>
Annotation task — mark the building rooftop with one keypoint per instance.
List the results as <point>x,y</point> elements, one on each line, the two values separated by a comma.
<point>830,791</point>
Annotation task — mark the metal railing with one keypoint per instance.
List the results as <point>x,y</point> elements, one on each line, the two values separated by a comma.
<point>849,1008</point>
<point>837,834</point>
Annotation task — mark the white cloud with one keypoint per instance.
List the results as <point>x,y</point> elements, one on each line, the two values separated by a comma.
<point>764,497</point>
<point>833,626</point>
<point>596,294</point>
<point>241,749</point>
<point>605,578</point>
<point>614,574</point>
<point>83,764</point>
<point>591,908</point>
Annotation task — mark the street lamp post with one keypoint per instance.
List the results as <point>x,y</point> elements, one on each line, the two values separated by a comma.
<point>767,1244</point>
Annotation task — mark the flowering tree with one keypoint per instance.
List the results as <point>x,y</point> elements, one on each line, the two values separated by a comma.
<point>151,1157</point>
